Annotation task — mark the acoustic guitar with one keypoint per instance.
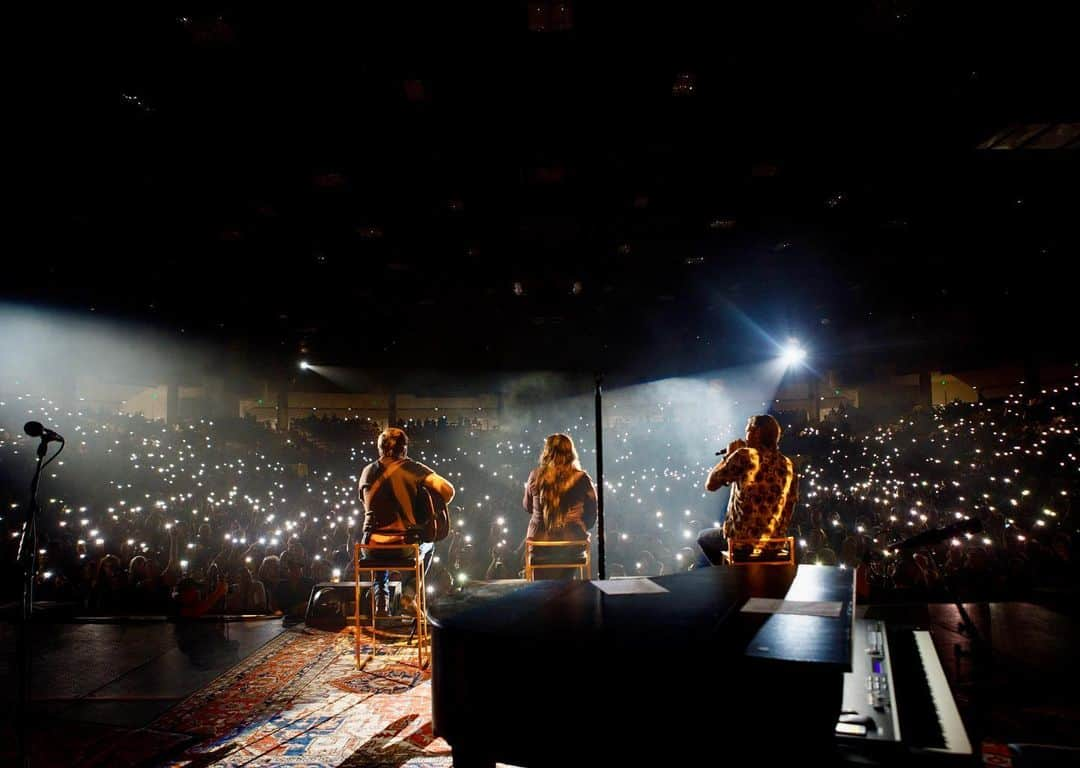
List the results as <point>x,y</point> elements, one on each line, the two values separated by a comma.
<point>432,515</point>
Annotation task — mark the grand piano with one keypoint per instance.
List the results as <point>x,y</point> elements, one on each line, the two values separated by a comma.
<point>562,673</point>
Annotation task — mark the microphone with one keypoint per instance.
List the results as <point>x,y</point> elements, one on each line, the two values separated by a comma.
<point>35,429</point>
<point>742,444</point>
<point>938,535</point>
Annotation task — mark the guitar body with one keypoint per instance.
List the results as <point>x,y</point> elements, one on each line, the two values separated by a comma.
<point>432,515</point>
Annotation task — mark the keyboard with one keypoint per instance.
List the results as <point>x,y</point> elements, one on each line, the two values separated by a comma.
<point>897,694</point>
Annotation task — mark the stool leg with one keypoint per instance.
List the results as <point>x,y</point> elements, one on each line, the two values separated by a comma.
<point>416,609</point>
<point>356,602</point>
<point>373,613</point>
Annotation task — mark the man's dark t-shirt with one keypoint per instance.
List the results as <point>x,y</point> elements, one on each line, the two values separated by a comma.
<point>396,483</point>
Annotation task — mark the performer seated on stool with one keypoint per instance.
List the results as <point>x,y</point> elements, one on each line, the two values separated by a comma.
<point>559,496</point>
<point>764,488</point>
<point>389,488</point>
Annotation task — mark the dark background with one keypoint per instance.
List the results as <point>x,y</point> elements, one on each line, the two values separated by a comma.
<point>365,185</point>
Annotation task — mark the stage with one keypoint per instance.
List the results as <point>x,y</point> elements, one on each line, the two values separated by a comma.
<point>221,694</point>
<point>256,693</point>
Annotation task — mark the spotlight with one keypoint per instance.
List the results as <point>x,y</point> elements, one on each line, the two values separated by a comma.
<point>304,365</point>
<point>792,354</point>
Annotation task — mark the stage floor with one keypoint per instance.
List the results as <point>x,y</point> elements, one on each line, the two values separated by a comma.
<point>222,694</point>
<point>126,674</point>
<point>258,694</point>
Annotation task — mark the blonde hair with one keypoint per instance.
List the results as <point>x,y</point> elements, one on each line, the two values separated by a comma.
<point>555,474</point>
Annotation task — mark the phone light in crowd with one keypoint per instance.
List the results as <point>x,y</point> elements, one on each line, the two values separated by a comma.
<point>792,354</point>
<point>183,565</point>
<point>335,575</point>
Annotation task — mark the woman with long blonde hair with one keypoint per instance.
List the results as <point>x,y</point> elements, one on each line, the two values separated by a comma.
<point>559,495</point>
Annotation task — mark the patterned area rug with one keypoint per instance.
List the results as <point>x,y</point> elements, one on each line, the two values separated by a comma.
<point>272,675</point>
<point>305,703</point>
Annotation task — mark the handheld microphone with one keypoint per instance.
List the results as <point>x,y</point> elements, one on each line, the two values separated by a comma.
<point>35,429</point>
<point>741,444</point>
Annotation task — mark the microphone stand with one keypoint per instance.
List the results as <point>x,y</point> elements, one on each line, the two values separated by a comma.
<point>600,527</point>
<point>27,559</point>
<point>980,646</point>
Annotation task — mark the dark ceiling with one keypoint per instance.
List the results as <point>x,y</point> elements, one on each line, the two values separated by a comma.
<point>567,185</point>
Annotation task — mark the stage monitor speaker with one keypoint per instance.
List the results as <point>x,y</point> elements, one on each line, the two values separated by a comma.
<point>332,605</point>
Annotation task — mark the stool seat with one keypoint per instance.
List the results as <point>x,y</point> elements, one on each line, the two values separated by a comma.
<point>573,555</point>
<point>551,555</point>
<point>391,557</point>
<point>764,550</point>
<point>388,565</point>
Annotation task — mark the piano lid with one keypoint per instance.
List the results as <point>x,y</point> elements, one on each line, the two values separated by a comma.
<point>700,610</point>
<point>816,639</point>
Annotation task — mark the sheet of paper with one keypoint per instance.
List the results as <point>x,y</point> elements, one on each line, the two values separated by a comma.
<point>828,608</point>
<point>628,587</point>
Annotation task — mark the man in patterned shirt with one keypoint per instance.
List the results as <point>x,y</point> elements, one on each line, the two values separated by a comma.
<point>764,488</point>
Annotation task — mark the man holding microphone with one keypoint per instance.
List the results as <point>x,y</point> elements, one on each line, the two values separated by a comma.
<point>764,488</point>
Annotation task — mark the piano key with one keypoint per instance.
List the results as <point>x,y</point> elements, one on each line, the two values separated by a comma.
<point>914,701</point>
<point>952,727</point>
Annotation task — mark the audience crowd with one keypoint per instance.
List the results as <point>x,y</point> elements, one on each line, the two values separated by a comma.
<point>229,516</point>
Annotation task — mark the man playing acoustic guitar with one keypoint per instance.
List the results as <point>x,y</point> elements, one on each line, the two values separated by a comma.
<point>390,488</point>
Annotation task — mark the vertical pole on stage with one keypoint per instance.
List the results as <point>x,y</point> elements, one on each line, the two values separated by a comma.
<point>27,559</point>
<point>602,565</point>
